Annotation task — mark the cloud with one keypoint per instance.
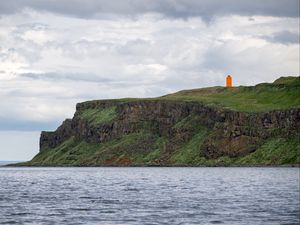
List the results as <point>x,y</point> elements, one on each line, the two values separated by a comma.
<point>66,77</point>
<point>170,8</point>
<point>284,37</point>
<point>54,54</point>
<point>50,65</point>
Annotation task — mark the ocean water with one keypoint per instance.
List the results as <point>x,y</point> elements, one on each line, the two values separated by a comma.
<point>150,195</point>
<point>3,163</point>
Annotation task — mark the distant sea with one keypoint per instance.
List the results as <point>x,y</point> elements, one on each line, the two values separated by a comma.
<point>151,195</point>
<point>3,163</point>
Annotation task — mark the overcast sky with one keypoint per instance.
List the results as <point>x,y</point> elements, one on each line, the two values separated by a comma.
<point>56,53</point>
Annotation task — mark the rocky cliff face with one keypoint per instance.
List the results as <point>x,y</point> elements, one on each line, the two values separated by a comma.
<point>228,133</point>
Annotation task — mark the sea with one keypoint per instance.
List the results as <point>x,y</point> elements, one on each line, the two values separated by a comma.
<point>149,195</point>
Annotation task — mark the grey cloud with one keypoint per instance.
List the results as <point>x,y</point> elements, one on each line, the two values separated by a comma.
<point>217,59</point>
<point>284,37</point>
<point>135,48</point>
<point>87,64</point>
<point>32,26</point>
<point>81,77</point>
<point>206,9</point>
<point>29,54</point>
<point>69,76</point>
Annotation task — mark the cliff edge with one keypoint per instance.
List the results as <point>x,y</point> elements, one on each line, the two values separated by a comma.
<point>257,125</point>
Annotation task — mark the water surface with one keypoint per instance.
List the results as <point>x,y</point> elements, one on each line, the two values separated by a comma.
<point>149,195</point>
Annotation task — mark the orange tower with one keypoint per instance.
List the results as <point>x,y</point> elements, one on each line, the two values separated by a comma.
<point>228,81</point>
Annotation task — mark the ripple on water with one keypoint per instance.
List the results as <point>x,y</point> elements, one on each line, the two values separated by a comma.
<point>10,222</point>
<point>149,196</point>
<point>132,189</point>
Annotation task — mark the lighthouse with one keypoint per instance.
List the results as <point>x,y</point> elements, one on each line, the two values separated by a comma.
<point>228,81</point>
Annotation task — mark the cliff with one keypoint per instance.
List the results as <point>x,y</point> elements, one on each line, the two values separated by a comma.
<point>257,125</point>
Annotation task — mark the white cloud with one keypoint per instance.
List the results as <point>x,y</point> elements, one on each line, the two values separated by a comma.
<point>207,9</point>
<point>53,55</point>
<point>50,62</point>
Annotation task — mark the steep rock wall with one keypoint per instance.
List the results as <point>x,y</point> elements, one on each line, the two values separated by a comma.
<point>230,133</point>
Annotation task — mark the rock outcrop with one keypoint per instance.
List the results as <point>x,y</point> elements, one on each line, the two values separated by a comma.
<point>230,133</point>
<point>257,125</point>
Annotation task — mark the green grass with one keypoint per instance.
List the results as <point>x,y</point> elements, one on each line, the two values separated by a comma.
<point>54,156</point>
<point>146,148</point>
<point>152,157</point>
<point>185,123</point>
<point>138,148</point>
<point>276,151</point>
<point>189,153</point>
<point>191,123</point>
<point>98,116</point>
<point>288,80</point>
<point>282,94</point>
<point>263,97</point>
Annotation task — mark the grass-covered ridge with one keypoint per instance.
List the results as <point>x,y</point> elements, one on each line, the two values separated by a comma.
<point>132,149</point>
<point>117,133</point>
<point>145,149</point>
<point>96,116</point>
<point>284,93</point>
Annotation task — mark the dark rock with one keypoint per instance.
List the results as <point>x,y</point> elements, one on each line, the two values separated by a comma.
<point>230,133</point>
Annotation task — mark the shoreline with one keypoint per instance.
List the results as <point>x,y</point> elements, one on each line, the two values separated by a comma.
<point>156,166</point>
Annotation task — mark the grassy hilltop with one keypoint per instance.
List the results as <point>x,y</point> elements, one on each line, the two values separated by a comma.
<point>192,139</point>
<point>283,93</point>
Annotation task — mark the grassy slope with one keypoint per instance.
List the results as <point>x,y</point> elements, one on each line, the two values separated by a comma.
<point>146,149</point>
<point>278,151</point>
<point>95,116</point>
<point>282,94</point>
<point>135,148</point>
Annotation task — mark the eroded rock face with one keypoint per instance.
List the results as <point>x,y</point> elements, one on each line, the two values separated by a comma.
<point>242,133</point>
<point>52,139</point>
<point>230,133</point>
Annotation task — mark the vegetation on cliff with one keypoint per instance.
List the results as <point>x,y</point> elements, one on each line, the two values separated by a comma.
<point>282,94</point>
<point>216,126</point>
<point>97,116</point>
